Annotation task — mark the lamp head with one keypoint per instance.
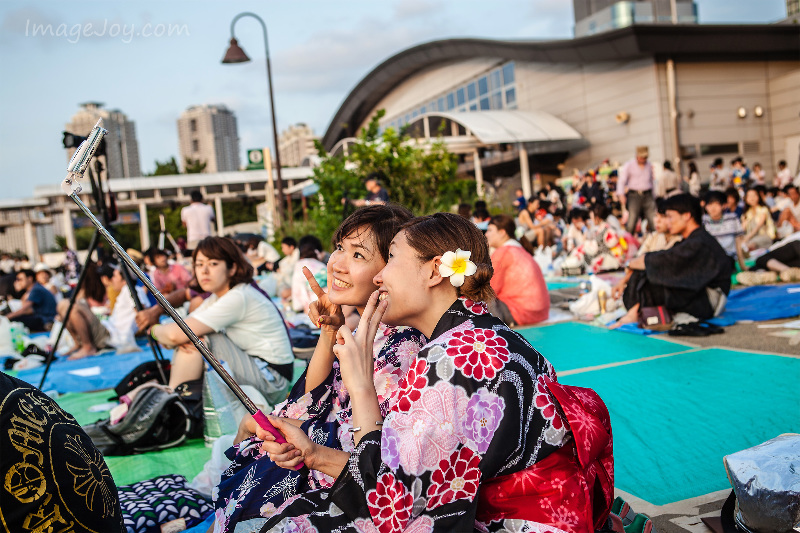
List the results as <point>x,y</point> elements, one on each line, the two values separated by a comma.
<point>235,54</point>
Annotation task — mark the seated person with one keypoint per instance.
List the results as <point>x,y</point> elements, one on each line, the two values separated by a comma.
<point>90,333</point>
<point>722,225</point>
<point>519,200</point>
<point>522,296</point>
<point>38,304</point>
<point>45,278</point>
<point>319,400</point>
<point>759,228</point>
<point>262,255</point>
<point>310,249</point>
<point>789,218</point>
<point>782,263</point>
<point>537,222</point>
<point>55,478</point>
<point>694,276</point>
<point>660,239</point>
<point>604,248</point>
<point>255,343</point>
<point>452,430</point>
<point>167,277</point>
<point>733,202</point>
<point>577,229</point>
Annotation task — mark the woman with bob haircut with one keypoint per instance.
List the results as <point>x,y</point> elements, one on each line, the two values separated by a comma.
<point>254,486</point>
<point>479,407</point>
<point>255,343</point>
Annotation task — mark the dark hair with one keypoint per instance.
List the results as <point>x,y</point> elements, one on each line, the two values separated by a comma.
<point>289,241</point>
<point>789,187</point>
<point>716,196</point>
<point>717,162</point>
<point>481,214</point>
<point>667,165</point>
<point>105,270</point>
<point>782,163</point>
<point>685,203</point>
<point>507,224</point>
<point>254,242</point>
<point>384,221</point>
<point>224,249</point>
<point>197,196</point>
<point>309,245</point>
<point>580,214</point>
<point>464,210</point>
<point>759,198</point>
<point>545,204</point>
<point>736,160</point>
<point>692,167</point>
<point>660,202</point>
<point>378,176</point>
<point>481,204</point>
<point>732,192</point>
<point>601,211</point>
<point>28,273</point>
<point>436,234</point>
<point>157,251</point>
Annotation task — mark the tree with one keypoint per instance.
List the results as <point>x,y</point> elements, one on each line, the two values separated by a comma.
<point>194,166</point>
<point>167,168</point>
<point>420,177</point>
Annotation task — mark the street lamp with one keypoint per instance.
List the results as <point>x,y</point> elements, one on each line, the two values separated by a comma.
<point>235,54</point>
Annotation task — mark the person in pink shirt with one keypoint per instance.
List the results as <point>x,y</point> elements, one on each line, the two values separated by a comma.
<point>166,277</point>
<point>635,190</point>
<point>522,296</point>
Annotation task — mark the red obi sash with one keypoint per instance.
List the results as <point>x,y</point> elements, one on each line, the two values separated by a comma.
<point>572,488</point>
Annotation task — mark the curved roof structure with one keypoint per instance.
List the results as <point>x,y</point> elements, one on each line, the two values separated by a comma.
<point>680,42</point>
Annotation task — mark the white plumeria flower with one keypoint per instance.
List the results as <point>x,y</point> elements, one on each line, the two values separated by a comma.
<point>456,266</point>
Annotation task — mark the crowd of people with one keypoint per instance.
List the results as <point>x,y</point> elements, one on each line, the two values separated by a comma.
<point>403,410</point>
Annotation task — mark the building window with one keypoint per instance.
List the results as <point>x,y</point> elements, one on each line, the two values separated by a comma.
<point>471,94</point>
<point>195,146</point>
<point>483,85</point>
<point>473,107</point>
<point>460,96</point>
<point>494,77</point>
<point>451,101</point>
<point>193,125</point>
<point>511,97</point>
<point>422,110</point>
<point>497,101</point>
<point>508,73</point>
<point>716,149</point>
<point>441,104</point>
<point>485,104</point>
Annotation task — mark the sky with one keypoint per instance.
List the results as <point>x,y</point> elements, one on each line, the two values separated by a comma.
<point>152,60</point>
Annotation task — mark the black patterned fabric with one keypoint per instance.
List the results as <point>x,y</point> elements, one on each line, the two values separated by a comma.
<point>148,504</point>
<point>53,477</point>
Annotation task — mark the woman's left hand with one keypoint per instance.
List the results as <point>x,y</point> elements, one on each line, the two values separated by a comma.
<point>297,449</point>
<point>355,352</point>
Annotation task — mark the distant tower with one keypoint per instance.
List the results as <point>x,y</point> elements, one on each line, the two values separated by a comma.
<point>208,133</point>
<point>792,9</point>
<point>122,149</point>
<point>295,144</point>
<point>597,16</point>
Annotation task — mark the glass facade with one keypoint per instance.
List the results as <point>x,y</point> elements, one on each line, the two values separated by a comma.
<point>490,90</point>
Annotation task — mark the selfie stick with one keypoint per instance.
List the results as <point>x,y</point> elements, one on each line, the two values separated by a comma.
<point>71,187</point>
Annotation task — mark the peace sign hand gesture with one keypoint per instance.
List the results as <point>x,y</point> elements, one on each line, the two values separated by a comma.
<point>322,312</point>
<point>356,360</point>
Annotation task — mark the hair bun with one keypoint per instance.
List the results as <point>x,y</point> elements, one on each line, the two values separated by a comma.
<point>477,287</point>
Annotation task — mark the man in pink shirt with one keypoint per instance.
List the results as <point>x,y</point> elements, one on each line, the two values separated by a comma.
<point>635,188</point>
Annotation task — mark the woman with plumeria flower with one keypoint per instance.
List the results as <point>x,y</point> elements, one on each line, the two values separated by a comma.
<point>475,410</point>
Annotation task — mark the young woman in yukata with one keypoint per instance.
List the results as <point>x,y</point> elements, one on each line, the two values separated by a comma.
<point>478,407</point>
<point>253,486</point>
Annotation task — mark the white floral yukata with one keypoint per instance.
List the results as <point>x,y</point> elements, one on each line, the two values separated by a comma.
<point>474,405</point>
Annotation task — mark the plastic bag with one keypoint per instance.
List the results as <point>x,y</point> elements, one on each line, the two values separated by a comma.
<point>588,305</point>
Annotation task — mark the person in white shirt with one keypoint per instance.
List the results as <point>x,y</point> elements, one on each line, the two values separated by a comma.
<point>197,218</point>
<point>784,175</point>
<point>91,334</point>
<point>310,249</point>
<point>242,326</point>
<point>261,254</point>
<point>789,219</point>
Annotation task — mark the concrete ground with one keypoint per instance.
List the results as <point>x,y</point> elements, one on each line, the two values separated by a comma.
<point>750,337</point>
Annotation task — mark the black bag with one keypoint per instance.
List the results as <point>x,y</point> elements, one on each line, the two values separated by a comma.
<point>142,374</point>
<point>156,420</point>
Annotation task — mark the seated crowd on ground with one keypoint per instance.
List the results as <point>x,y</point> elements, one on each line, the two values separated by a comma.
<point>433,299</point>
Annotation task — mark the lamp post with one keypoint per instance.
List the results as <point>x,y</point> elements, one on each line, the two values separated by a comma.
<point>235,54</point>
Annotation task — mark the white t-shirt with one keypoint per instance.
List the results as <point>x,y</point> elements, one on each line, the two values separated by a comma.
<point>250,321</point>
<point>121,324</point>
<point>197,217</point>
<point>267,252</point>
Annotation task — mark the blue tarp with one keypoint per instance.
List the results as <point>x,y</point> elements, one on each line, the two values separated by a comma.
<point>761,303</point>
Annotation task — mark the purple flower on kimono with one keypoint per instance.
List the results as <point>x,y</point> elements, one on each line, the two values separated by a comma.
<point>483,415</point>
<point>390,447</point>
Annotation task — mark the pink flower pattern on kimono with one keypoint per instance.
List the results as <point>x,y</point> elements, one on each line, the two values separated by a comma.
<point>390,504</point>
<point>484,413</point>
<point>556,431</point>
<point>479,308</point>
<point>457,478</point>
<point>421,524</point>
<point>365,525</point>
<point>478,353</point>
<point>302,524</point>
<point>432,428</point>
<point>412,384</point>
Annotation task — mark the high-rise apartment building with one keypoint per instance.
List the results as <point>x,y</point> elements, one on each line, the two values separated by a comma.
<point>595,16</point>
<point>792,9</point>
<point>122,149</point>
<point>208,133</point>
<point>295,144</point>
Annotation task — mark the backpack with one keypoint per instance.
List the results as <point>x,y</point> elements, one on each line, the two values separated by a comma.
<point>156,420</point>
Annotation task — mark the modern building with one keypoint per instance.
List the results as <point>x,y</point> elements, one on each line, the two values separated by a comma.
<point>792,10</point>
<point>208,133</point>
<point>122,149</point>
<point>296,144</point>
<point>514,109</point>
<point>595,16</point>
